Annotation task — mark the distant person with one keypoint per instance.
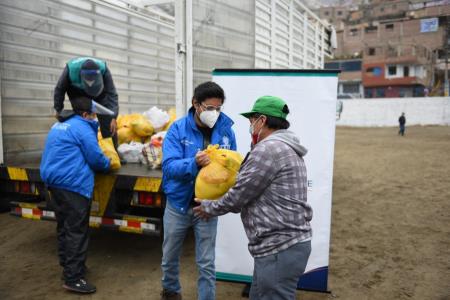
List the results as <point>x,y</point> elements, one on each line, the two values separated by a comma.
<point>91,78</point>
<point>402,122</point>
<point>70,157</point>
<point>339,109</point>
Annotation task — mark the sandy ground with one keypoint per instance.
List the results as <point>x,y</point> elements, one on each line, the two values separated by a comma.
<point>390,232</point>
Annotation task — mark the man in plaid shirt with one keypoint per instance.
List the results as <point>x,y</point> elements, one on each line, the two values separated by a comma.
<point>270,193</point>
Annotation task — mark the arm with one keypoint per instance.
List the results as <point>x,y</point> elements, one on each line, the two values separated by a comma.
<point>174,165</point>
<point>92,152</point>
<point>112,99</point>
<point>60,90</point>
<point>255,176</point>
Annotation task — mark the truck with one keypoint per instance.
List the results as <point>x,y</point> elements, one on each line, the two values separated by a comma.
<point>37,38</point>
<point>154,55</point>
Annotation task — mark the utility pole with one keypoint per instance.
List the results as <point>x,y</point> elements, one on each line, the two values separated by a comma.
<point>446,47</point>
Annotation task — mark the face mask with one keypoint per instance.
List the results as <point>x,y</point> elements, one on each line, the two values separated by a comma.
<point>255,136</point>
<point>209,118</point>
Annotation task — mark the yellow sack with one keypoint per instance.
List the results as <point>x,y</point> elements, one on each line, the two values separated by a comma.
<point>126,135</point>
<point>107,147</point>
<point>142,127</point>
<point>126,120</point>
<point>214,180</point>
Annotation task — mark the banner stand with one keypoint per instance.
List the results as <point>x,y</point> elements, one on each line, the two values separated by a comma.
<point>311,97</point>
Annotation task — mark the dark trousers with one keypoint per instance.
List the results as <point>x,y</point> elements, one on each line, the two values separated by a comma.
<point>72,216</point>
<point>402,130</point>
<point>105,128</point>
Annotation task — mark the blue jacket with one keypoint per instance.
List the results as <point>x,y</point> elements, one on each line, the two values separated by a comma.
<point>181,144</point>
<point>71,155</point>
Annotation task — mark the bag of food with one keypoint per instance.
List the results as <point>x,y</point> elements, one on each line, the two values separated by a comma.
<point>152,151</point>
<point>126,135</point>
<point>126,120</point>
<point>142,127</point>
<point>157,117</point>
<point>131,152</point>
<point>107,147</point>
<point>173,116</point>
<point>215,179</point>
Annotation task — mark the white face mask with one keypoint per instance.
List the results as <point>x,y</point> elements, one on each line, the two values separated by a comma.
<point>209,118</point>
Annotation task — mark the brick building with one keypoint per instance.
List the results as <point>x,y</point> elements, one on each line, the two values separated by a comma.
<point>399,42</point>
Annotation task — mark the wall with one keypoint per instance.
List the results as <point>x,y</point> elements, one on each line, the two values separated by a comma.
<point>386,111</point>
<point>37,38</point>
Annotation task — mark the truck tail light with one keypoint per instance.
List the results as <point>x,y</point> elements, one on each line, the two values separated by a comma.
<point>146,199</point>
<point>25,187</point>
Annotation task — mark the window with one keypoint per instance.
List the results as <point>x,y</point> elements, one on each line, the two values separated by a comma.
<point>371,29</point>
<point>332,65</point>
<point>369,70</point>
<point>353,32</point>
<point>405,71</point>
<point>389,27</point>
<point>371,51</point>
<point>327,13</point>
<point>394,6</point>
<point>381,9</point>
<point>392,70</point>
<point>355,65</point>
<point>350,88</point>
<point>380,92</point>
<point>339,13</point>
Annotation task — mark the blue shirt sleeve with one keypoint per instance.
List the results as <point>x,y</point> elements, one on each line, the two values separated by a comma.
<point>174,165</point>
<point>233,141</point>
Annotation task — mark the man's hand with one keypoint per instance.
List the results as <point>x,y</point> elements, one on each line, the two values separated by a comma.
<point>113,126</point>
<point>57,115</point>
<point>202,159</point>
<point>200,212</point>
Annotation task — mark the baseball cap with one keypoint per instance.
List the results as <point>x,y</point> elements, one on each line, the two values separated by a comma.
<point>269,106</point>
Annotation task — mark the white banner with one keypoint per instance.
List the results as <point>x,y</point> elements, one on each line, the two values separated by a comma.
<point>311,98</point>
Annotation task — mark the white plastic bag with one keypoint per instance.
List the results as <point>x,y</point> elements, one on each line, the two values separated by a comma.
<point>132,152</point>
<point>157,117</point>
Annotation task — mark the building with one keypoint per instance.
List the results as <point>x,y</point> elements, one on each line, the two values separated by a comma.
<point>401,44</point>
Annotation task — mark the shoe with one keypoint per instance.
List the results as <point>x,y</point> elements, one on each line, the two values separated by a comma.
<point>168,295</point>
<point>80,286</point>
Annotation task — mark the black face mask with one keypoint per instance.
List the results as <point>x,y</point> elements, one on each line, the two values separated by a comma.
<point>92,82</point>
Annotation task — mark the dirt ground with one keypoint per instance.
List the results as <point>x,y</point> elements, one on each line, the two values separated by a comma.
<point>390,232</point>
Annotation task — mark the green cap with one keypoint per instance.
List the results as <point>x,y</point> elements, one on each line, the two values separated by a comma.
<point>269,106</point>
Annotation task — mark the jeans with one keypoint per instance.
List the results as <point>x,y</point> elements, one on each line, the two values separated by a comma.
<point>176,226</point>
<point>275,276</point>
<point>72,217</point>
<point>402,130</point>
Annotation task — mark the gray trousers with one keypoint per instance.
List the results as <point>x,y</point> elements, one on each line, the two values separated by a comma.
<point>275,276</point>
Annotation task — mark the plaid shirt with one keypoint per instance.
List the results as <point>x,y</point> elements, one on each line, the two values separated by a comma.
<point>270,193</point>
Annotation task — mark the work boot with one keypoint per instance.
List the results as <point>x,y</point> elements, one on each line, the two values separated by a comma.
<point>168,295</point>
<point>80,286</point>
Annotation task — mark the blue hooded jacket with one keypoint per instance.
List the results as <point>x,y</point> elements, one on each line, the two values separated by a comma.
<point>181,144</point>
<point>71,155</point>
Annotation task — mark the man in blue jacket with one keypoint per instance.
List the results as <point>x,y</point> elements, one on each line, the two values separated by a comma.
<point>183,157</point>
<point>70,157</point>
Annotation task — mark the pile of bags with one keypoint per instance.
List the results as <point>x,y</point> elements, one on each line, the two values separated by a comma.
<point>140,136</point>
<point>214,180</point>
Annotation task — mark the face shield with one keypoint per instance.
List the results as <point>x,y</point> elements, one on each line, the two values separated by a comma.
<point>92,81</point>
